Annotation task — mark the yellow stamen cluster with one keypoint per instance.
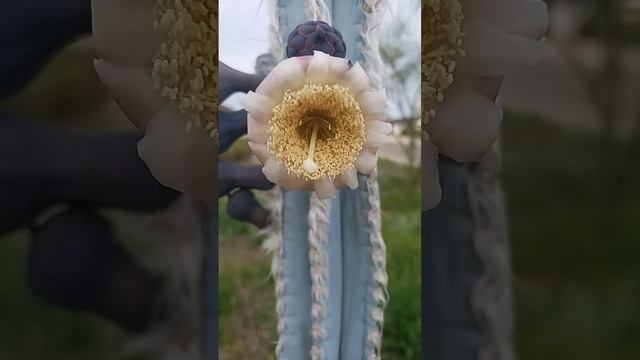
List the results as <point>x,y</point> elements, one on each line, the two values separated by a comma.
<point>442,44</point>
<point>330,112</point>
<point>184,69</point>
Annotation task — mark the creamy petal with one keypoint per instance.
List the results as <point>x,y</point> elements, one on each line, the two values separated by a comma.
<point>492,52</point>
<point>318,70</point>
<point>356,79</point>
<point>288,74</point>
<point>349,178</point>
<point>256,130</point>
<point>132,88</point>
<point>366,162</point>
<point>376,117</point>
<point>467,124</point>
<point>381,127</point>
<point>337,68</point>
<point>259,106</point>
<point>278,175</point>
<point>123,31</point>
<point>176,158</point>
<point>487,86</point>
<point>272,170</point>
<point>324,188</point>
<point>376,139</point>
<point>372,102</point>
<point>260,151</point>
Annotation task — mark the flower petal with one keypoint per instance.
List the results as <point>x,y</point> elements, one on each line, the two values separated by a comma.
<point>278,175</point>
<point>467,124</point>
<point>376,139</point>
<point>376,117</point>
<point>272,170</point>
<point>492,52</point>
<point>349,178</point>
<point>318,70</point>
<point>288,74</point>
<point>372,102</point>
<point>381,127</point>
<point>256,130</point>
<point>324,188</point>
<point>259,106</point>
<point>366,162</point>
<point>356,79</point>
<point>177,158</point>
<point>132,88</point>
<point>337,68</point>
<point>123,31</point>
<point>431,192</point>
<point>260,151</point>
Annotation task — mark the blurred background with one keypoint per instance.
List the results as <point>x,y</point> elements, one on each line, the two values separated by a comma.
<point>65,95</point>
<point>571,148</point>
<point>85,230</point>
<point>247,305</point>
<point>570,141</point>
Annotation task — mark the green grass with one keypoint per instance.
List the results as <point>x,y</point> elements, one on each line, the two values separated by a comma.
<point>247,306</point>
<point>400,193</point>
<point>576,291</point>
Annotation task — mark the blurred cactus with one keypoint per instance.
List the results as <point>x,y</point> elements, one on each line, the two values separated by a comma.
<point>264,64</point>
<point>76,263</point>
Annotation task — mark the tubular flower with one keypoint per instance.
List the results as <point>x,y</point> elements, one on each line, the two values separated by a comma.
<point>314,124</point>
<point>470,46</point>
<point>158,58</point>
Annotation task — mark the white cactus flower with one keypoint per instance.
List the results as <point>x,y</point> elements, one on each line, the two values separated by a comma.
<point>314,124</point>
<point>158,59</point>
<point>470,46</point>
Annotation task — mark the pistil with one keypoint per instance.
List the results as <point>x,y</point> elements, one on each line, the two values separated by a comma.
<point>309,165</point>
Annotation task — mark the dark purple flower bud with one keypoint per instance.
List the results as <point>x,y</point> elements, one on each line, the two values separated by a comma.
<point>318,36</point>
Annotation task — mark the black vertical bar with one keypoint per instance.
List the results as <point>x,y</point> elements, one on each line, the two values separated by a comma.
<point>450,269</point>
<point>209,285</point>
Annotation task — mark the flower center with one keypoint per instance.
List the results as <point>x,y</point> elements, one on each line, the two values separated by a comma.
<point>443,41</point>
<point>314,127</point>
<point>184,67</point>
<point>316,132</point>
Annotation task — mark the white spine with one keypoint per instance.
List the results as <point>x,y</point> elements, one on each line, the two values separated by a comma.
<point>273,245</point>
<point>319,210</point>
<point>491,298</point>
<point>274,242</point>
<point>275,35</point>
<point>378,282</point>
<point>318,10</point>
<point>378,290</point>
<point>177,241</point>
<point>370,45</point>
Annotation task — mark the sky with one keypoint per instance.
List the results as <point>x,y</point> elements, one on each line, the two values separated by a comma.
<point>243,32</point>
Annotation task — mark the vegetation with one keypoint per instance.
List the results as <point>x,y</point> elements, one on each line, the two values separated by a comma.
<point>247,305</point>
